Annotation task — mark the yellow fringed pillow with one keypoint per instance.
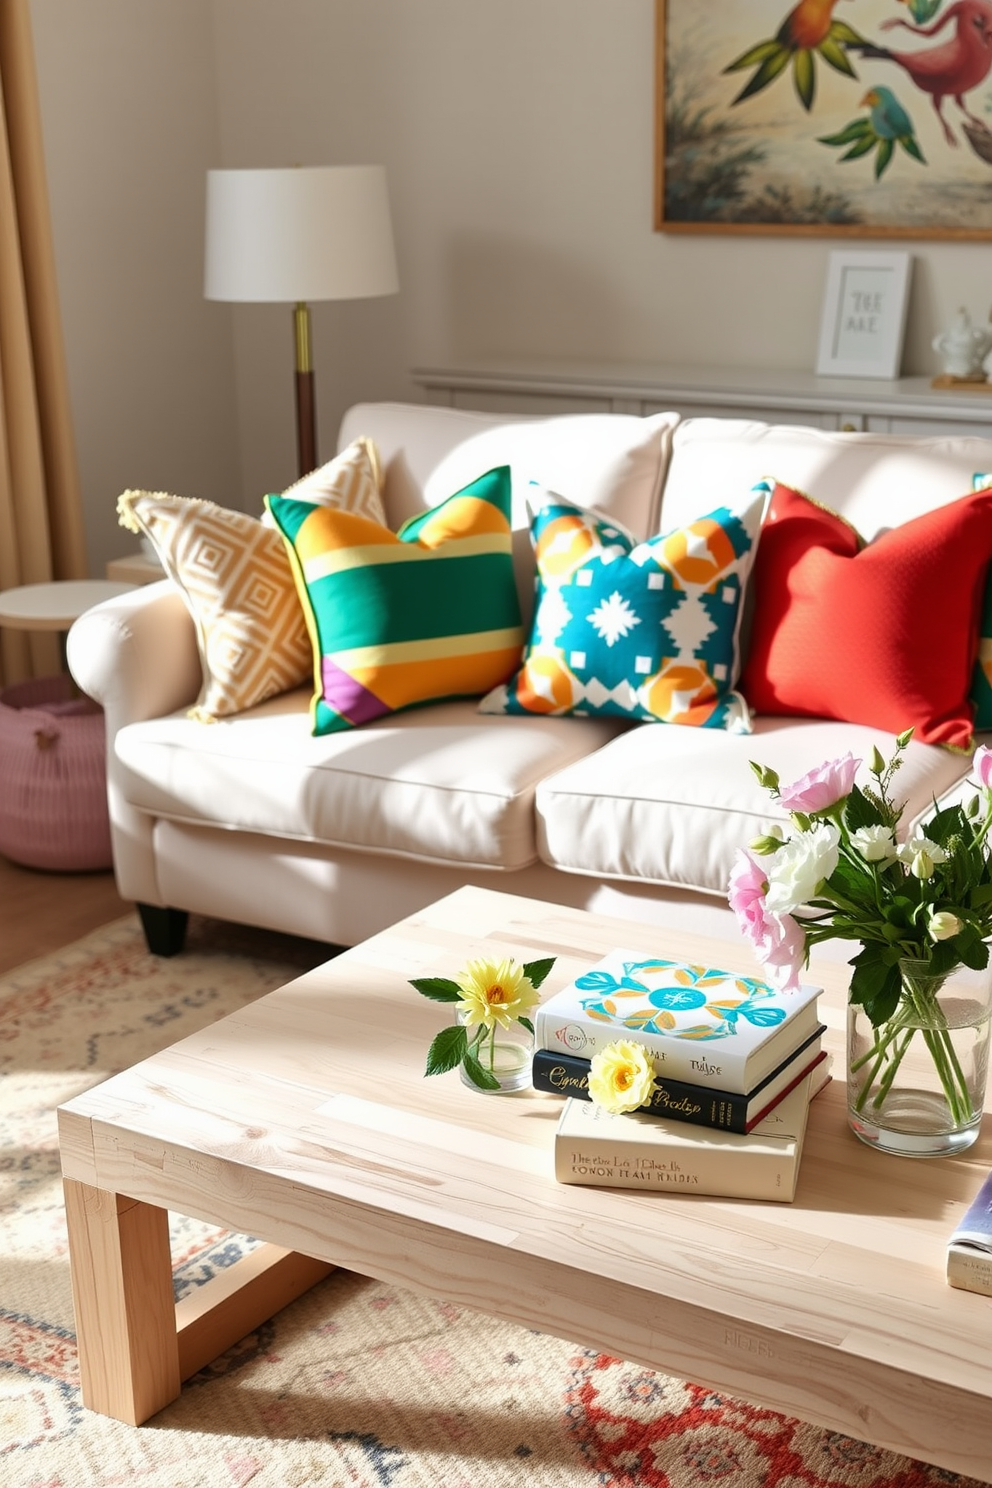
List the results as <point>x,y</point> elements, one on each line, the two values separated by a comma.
<point>234,576</point>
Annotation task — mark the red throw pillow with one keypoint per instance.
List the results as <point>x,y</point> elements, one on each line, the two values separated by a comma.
<point>884,634</point>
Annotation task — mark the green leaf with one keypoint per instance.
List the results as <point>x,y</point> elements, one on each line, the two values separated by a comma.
<point>479,1076</point>
<point>804,77</point>
<point>971,949</point>
<point>857,129</point>
<point>875,984</point>
<point>526,1023</point>
<point>945,825</point>
<point>886,150</point>
<point>908,142</point>
<point>861,148</point>
<point>766,73</point>
<point>438,989</point>
<point>831,51</point>
<point>447,1051</point>
<point>842,32</point>
<point>536,971</point>
<point>754,56</point>
<point>899,911</point>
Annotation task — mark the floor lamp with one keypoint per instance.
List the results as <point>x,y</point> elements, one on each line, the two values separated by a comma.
<point>296,235</point>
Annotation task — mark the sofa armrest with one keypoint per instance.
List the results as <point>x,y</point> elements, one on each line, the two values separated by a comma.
<point>137,655</point>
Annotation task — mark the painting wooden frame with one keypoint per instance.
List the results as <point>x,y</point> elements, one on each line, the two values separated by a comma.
<point>772,120</point>
<point>864,315</point>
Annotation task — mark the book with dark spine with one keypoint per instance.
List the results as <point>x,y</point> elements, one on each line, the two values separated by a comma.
<point>677,1100</point>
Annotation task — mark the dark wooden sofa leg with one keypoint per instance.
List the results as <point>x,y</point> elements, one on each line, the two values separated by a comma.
<point>165,929</point>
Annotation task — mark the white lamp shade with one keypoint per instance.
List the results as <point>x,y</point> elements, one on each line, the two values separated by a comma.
<point>306,233</point>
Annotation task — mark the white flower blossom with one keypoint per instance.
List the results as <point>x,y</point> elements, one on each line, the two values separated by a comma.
<point>799,867</point>
<point>917,844</point>
<point>875,844</point>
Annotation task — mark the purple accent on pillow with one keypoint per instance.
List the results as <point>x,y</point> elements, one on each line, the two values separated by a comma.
<point>348,697</point>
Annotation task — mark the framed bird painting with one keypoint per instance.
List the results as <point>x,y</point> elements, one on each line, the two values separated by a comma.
<point>825,117</point>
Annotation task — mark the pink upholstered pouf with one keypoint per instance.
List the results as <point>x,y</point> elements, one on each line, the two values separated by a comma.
<point>53,785</point>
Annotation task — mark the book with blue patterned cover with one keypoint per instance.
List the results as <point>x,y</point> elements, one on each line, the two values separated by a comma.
<point>701,1024</point>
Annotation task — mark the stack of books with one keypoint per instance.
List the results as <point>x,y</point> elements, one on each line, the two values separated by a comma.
<point>969,1250</point>
<point>737,1064</point>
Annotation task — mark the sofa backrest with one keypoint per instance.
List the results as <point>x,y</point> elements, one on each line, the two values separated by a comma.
<point>875,481</point>
<point>614,462</point>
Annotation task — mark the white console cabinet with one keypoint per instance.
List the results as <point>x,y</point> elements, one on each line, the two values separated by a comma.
<point>908,405</point>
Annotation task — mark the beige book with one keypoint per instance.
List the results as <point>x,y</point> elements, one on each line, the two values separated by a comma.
<point>638,1151</point>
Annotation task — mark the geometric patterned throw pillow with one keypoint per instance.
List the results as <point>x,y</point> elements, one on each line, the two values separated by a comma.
<point>635,630</point>
<point>235,579</point>
<point>398,619</point>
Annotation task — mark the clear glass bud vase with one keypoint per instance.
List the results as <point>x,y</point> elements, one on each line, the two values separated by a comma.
<point>505,1053</point>
<point>916,1084</point>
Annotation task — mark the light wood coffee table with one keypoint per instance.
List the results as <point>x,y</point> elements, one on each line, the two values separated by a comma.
<point>305,1120</point>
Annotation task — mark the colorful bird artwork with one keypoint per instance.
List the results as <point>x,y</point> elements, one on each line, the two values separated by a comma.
<point>809,30</point>
<point>952,68</point>
<point>886,126</point>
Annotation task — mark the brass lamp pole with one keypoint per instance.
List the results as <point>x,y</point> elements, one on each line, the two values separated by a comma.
<point>306,403</point>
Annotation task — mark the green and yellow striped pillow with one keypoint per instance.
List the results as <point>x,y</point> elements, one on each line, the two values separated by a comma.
<point>397,619</point>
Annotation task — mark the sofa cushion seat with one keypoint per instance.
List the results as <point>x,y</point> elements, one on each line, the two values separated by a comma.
<point>442,784</point>
<point>671,806</point>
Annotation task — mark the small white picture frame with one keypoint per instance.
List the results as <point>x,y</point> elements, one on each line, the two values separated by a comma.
<point>864,315</point>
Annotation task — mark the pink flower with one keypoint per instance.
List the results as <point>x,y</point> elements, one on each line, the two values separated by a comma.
<point>777,940</point>
<point>822,787</point>
<point>785,952</point>
<point>982,766</point>
<point>746,895</point>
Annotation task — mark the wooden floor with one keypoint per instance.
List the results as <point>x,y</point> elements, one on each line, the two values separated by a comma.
<point>39,912</point>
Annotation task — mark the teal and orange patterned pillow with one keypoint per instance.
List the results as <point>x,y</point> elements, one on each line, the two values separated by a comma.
<point>647,631</point>
<point>397,619</point>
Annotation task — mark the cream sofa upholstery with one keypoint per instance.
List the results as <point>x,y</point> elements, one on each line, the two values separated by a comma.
<point>254,820</point>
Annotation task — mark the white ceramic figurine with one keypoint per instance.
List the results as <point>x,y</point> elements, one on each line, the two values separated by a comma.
<point>963,346</point>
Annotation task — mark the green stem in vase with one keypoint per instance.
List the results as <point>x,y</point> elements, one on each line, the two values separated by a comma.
<point>917,1013</point>
<point>941,1047</point>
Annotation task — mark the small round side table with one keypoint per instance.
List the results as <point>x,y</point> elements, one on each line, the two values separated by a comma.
<point>53,786</point>
<point>54,606</point>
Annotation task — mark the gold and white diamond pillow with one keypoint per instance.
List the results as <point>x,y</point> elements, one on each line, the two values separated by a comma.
<point>234,575</point>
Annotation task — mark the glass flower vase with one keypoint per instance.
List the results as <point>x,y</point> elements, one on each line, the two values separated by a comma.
<point>916,1083</point>
<point>505,1053</point>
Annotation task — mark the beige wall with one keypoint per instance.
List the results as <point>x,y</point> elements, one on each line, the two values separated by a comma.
<point>517,137</point>
<point>130,124</point>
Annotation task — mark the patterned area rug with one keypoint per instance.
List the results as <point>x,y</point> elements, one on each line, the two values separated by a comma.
<point>357,1384</point>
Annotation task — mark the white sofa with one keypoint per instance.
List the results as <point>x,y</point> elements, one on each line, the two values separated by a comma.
<point>252,819</point>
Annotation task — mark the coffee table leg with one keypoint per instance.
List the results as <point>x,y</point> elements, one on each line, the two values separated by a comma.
<point>121,1269</point>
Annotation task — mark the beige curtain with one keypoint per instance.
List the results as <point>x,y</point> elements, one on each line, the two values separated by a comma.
<point>41,526</point>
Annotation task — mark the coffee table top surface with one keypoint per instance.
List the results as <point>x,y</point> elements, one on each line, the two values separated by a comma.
<point>320,1085</point>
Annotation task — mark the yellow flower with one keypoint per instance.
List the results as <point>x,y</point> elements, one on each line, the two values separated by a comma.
<point>495,992</point>
<point>621,1076</point>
